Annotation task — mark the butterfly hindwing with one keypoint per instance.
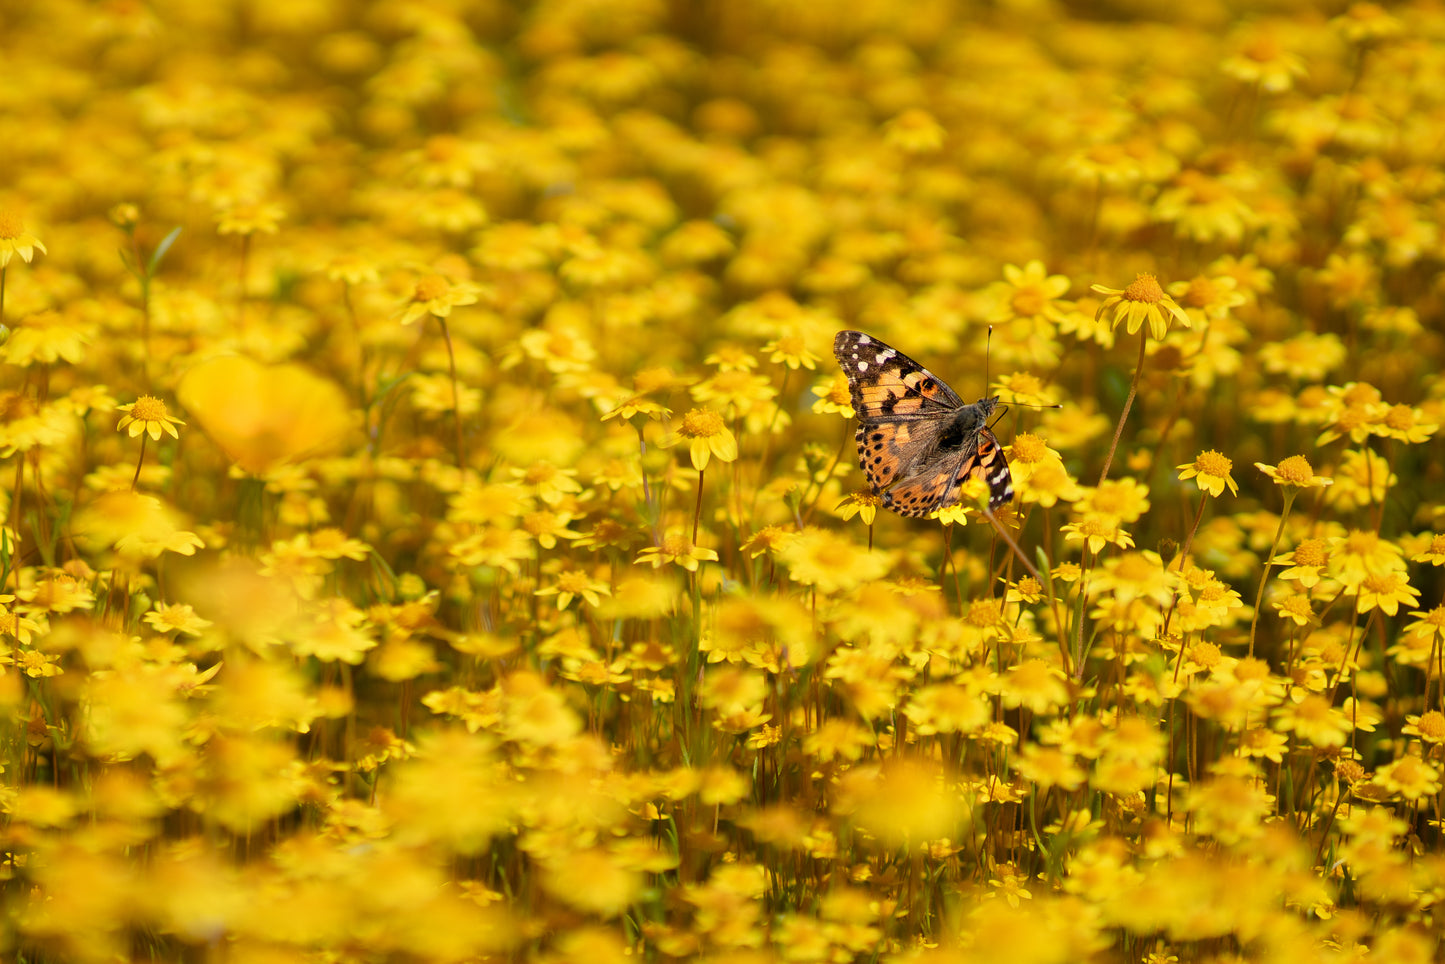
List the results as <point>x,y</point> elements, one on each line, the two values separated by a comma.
<point>917,440</point>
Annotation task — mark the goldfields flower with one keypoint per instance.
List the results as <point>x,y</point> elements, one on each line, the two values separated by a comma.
<point>250,411</point>
<point>249,218</point>
<point>1144,300</point>
<point>1211,472</point>
<point>1097,531</point>
<point>1410,777</point>
<point>14,239</point>
<point>707,435</point>
<point>677,548</point>
<point>1306,562</point>
<point>1385,591</point>
<point>435,295</point>
<point>831,561</point>
<point>1030,293</point>
<point>1406,424</point>
<point>148,414</point>
<point>1294,471</point>
<point>1262,61</point>
<point>864,503</point>
<point>1430,548</point>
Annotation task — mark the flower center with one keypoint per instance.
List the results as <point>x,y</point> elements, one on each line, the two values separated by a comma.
<point>148,408</point>
<point>701,423</point>
<point>430,288</point>
<point>1213,463</point>
<point>1296,470</point>
<point>1145,288</point>
<point>1028,447</point>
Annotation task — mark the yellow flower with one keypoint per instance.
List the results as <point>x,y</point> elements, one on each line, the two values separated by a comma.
<point>148,414</point>
<point>1144,300</point>
<point>435,295</point>
<point>252,411</point>
<point>707,435</point>
<point>246,219</point>
<point>1295,471</point>
<point>830,561</point>
<point>14,240</point>
<point>1385,591</point>
<point>1210,472</point>
<point>677,548</point>
<point>864,503</point>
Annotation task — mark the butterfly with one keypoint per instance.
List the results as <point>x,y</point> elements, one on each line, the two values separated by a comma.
<point>917,440</point>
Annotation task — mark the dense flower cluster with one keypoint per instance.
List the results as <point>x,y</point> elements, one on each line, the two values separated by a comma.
<point>437,535</point>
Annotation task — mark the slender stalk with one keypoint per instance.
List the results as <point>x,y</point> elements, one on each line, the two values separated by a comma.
<point>140,461</point>
<point>1128,404</point>
<point>1289,494</point>
<point>460,451</point>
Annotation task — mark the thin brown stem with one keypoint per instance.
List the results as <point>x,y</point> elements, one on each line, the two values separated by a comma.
<point>1128,404</point>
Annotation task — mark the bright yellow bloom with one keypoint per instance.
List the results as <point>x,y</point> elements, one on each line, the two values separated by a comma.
<point>1295,471</point>
<point>148,414</point>
<point>1211,472</point>
<point>1144,300</point>
<point>707,435</point>
<point>676,548</point>
<point>14,239</point>
<point>436,296</point>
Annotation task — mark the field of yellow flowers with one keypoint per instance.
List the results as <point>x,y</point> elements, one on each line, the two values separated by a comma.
<point>432,530</point>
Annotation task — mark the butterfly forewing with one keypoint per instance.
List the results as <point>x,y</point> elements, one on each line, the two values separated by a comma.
<point>917,440</point>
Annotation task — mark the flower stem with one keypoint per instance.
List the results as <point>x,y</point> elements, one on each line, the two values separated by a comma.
<point>456,397</point>
<point>1128,404</point>
<point>697,511</point>
<point>1289,494</point>
<point>139,462</point>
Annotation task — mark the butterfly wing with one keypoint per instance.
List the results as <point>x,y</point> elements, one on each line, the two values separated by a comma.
<point>917,440</point>
<point>939,479</point>
<point>901,406</point>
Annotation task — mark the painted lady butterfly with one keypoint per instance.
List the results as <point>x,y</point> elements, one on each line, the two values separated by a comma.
<point>917,440</point>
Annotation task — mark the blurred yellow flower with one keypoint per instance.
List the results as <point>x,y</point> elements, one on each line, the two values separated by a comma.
<point>265,416</point>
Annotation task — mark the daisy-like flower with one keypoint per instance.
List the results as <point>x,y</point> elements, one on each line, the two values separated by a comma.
<point>707,435</point>
<point>1406,424</point>
<point>679,549</point>
<point>1386,591</point>
<point>833,396</point>
<point>1434,553</point>
<point>246,219</point>
<point>1029,292</point>
<point>148,414</point>
<point>1211,472</point>
<point>1295,471</point>
<point>864,502</point>
<point>15,240</point>
<point>1144,300</point>
<point>574,583</point>
<point>435,295</point>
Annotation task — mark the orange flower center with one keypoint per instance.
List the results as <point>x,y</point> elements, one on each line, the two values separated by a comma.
<point>1432,726</point>
<point>148,408</point>
<point>1401,418</point>
<point>1213,463</point>
<point>701,423</point>
<point>1146,289</point>
<point>1028,447</point>
<point>430,288</point>
<point>676,544</point>
<point>11,227</point>
<point>1295,470</point>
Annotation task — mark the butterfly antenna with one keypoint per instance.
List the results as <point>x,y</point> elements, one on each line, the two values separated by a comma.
<point>987,350</point>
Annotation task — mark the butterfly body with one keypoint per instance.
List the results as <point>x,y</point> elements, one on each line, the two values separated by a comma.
<point>918,442</point>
